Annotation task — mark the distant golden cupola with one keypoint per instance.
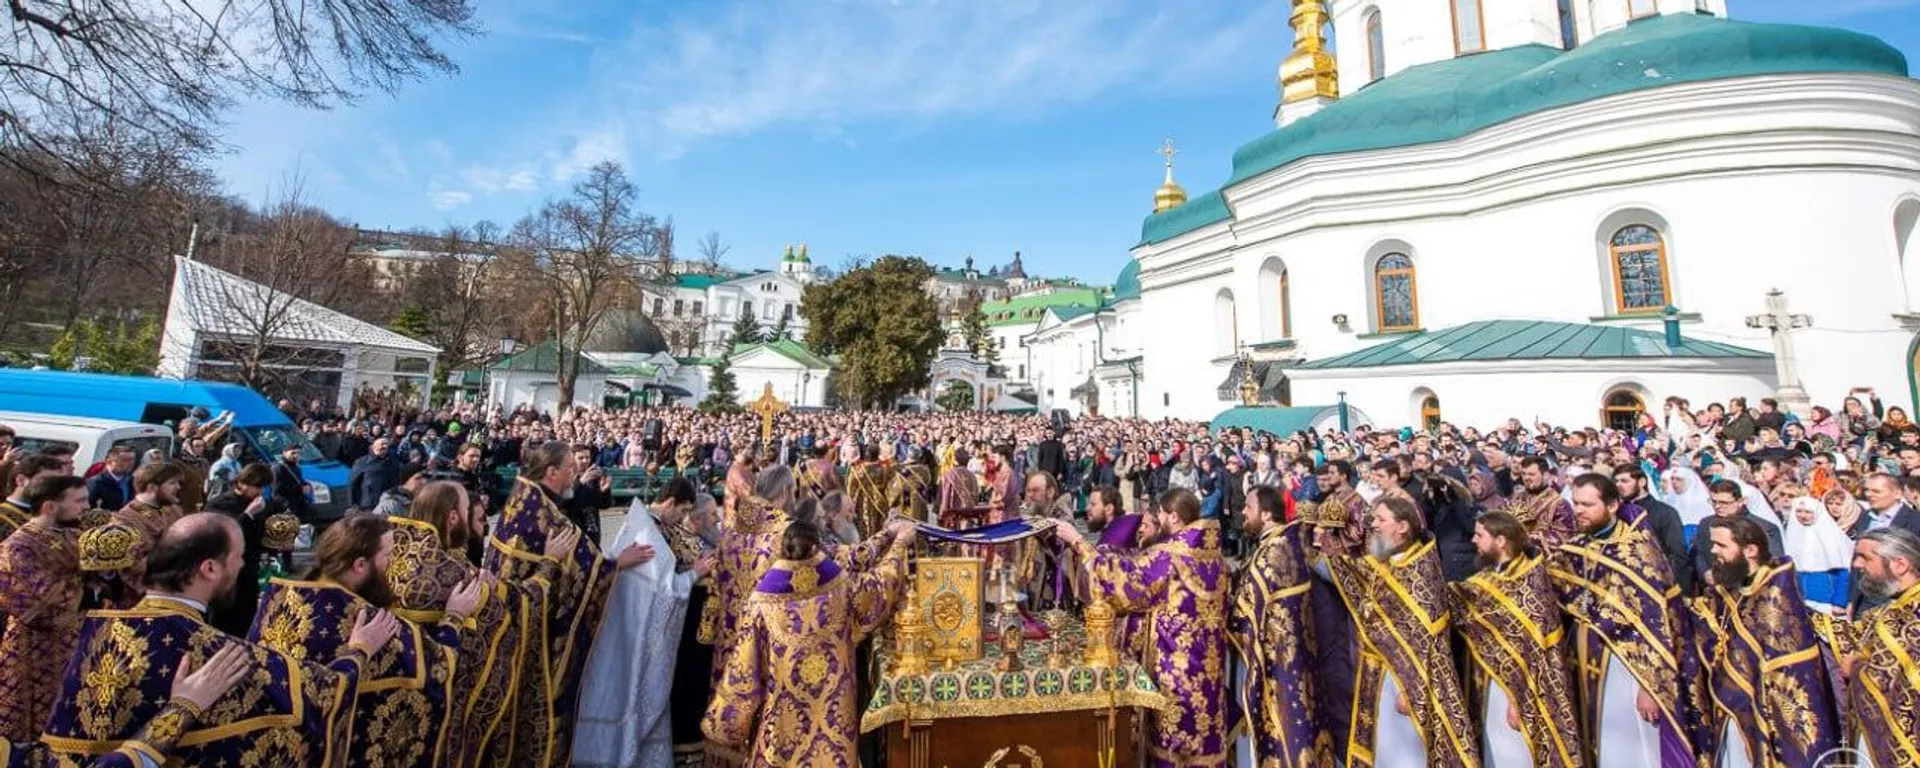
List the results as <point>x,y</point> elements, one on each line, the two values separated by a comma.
<point>1170,195</point>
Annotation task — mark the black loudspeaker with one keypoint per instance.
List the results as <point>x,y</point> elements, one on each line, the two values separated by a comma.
<point>652,434</point>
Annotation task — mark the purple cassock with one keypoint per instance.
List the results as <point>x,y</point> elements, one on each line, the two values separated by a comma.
<point>1886,680</point>
<point>574,611</point>
<point>1120,534</point>
<point>1629,631</point>
<point>115,708</point>
<point>401,715</point>
<point>1272,631</point>
<point>786,692</point>
<point>1181,586</point>
<point>1769,679</point>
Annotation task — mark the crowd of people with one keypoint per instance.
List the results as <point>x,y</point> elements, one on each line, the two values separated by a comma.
<point>1716,586</point>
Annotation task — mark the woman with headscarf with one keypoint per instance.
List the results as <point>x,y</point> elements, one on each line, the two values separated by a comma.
<point>1822,554</point>
<point>1822,422</point>
<point>1682,489</point>
<point>220,476</point>
<point>1847,513</point>
<point>1891,426</point>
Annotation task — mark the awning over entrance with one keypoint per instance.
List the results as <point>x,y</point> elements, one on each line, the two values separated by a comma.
<point>1085,389</point>
<point>1267,374</point>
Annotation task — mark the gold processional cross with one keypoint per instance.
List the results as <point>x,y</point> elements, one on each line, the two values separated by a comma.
<point>767,407</point>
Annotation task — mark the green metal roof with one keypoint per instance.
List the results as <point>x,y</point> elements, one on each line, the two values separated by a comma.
<point>1449,99</point>
<point>1028,309</point>
<point>701,282</point>
<point>1127,285</point>
<point>794,350</point>
<point>1499,340</point>
<point>1279,421</point>
<point>543,357</point>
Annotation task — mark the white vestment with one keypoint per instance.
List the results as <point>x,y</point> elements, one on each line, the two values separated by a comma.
<point>1625,739</point>
<point>1243,756</point>
<point>622,720</point>
<point>1505,747</point>
<point>1733,749</point>
<point>1396,740</point>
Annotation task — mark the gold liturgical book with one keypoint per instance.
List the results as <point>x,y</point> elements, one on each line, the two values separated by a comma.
<point>950,594</point>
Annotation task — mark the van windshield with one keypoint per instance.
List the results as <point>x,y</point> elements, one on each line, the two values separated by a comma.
<point>271,440</point>
<point>140,445</point>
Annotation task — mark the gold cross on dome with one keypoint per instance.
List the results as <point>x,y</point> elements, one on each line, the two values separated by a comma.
<point>766,408</point>
<point>1167,151</point>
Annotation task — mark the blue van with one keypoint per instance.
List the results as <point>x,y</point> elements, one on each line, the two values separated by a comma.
<point>262,429</point>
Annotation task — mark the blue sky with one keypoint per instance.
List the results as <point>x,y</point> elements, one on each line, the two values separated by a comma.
<point>943,128</point>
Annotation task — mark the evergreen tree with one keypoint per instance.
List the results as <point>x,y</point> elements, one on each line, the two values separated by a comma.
<point>957,396</point>
<point>746,330</point>
<point>414,322</point>
<point>780,331</point>
<point>974,327</point>
<point>722,396</point>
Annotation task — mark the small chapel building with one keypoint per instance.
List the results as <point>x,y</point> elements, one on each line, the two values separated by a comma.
<point>1569,210</point>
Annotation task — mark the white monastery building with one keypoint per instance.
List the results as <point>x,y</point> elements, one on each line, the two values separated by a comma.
<point>1582,206</point>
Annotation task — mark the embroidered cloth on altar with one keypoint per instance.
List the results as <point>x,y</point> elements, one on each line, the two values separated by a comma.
<point>1004,532</point>
<point>979,689</point>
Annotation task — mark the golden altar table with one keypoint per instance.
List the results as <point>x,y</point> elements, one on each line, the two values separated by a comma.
<point>1049,712</point>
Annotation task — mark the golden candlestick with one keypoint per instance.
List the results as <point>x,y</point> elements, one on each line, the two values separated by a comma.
<point>910,633</point>
<point>1100,651</point>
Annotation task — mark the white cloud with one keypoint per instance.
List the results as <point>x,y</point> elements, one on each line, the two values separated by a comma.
<point>448,199</point>
<point>753,66</point>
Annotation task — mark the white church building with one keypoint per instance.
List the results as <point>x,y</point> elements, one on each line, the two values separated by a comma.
<point>1484,209</point>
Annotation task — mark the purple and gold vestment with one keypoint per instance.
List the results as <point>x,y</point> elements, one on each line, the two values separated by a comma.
<point>786,694</point>
<point>1768,675</point>
<point>401,714</point>
<point>1181,586</point>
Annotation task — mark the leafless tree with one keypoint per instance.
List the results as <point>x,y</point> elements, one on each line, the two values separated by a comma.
<point>253,329</point>
<point>452,289</point>
<point>713,253</point>
<point>87,232</point>
<point>164,69</point>
<point>588,252</point>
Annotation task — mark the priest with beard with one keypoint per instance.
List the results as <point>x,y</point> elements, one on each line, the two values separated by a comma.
<point>405,704</point>
<point>1271,627</point>
<point>119,704</point>
<point>428,566</point>
<point>40,590</point>
<point>1509,617</point>
<point>1409,710</point>
<point>1770,684</point>
<point>155,505</point>
<point>1539,506</point>
<point>1108,517</point>
<point>623,715</point>
<point>1181,583</point>
<point>534,515</point>
<point>1638,678</point>
<point>1884,677</point>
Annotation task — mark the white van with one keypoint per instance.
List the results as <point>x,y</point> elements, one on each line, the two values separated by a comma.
<point>90,439</point>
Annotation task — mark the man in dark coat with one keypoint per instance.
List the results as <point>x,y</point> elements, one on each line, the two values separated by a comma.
<point>246,502</point>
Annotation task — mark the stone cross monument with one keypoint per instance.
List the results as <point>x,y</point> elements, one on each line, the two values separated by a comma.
<point>1792,396</point>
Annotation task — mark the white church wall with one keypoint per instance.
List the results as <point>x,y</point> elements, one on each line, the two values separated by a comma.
<point>792,382</point>
<point>1485,396</point>
<point>1512,223</point>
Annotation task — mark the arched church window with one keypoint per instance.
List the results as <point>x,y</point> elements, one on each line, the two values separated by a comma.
<point>1275,301</point>
<point>1286,306</point>
<point>1569,36</point>
<point>1395,303</point>
<point>1621,410</point>
<point>1639,256</point>
<point>1469,33</point>
<point>1640,8</point>
<point>1376,47</point>
<point>1430,413</point>
<point>1226,324</point>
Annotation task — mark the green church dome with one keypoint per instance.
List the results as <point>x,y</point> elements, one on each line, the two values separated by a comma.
<point>1456,97</point>
<point>1127,285</point>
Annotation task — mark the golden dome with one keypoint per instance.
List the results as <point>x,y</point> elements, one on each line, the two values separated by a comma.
<point>1170,195</point>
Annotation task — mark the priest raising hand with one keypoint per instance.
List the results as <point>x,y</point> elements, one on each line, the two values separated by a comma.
<point>204,685</point>
<point>562,542</point>
<point>372,630</point>
<point>633,555</point>
<point>466,598</point>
